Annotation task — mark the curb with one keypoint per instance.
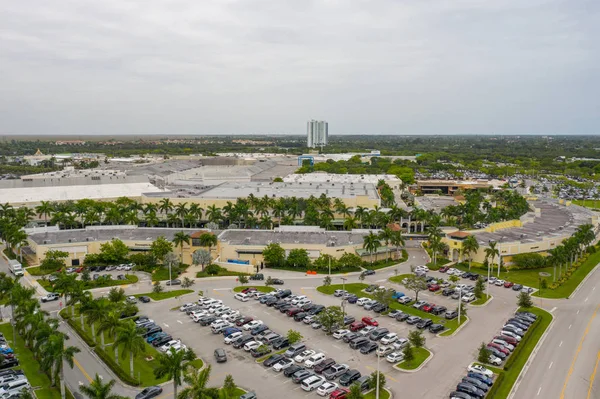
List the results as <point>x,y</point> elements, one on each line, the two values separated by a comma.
<point>455,331</point>
<point>418,368</point>
<point>531,358</point>
<point>483,304</point>
<point>582,282</point>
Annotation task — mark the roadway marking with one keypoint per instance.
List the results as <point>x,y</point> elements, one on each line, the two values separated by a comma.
<point>553,309</point>
<point>589,395</point>
<point>585,300</point>
<point>221,289</point>
<point>594,289</point>
<point>559,345</point>
<point>80,367</point>
<point>578,311</point>
<point>570,325</point>
<point>587,330</point>
<point>166,325</point>
<point>539,390</point>
<point>549,367</point>
<point>379,281</point>
<point>179,322</point>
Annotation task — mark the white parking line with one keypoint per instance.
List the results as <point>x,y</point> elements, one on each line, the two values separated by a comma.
<point>539,390</point>
<point>178,321</point>
<point>308,288</point>
<point>549,367</point>
<point>559,345</point>
<point>578,311</point>
<point>166,325</point>
<point>221,289</point>
<point>570,326</point>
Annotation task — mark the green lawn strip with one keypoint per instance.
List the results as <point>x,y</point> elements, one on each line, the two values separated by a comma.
<point>440,262</point>
<point>304,270</point>
<point>592,204</point>
<point>262,359</point>
<point>130,279</point>
<point>221,273</point>
<point>530,277</point>
<point>236,394</point>
<point>519,357</point>
<point>30,365</point>
<point>259,288</point>
<point>484,298</point>
<point>388,263</point>
<point>372,395</point>
<point>452,325</point>
<point>37,271</point>
<point>165,294</point>
<point>421,354</point>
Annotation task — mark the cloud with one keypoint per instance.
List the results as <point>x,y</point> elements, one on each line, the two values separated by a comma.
<point>267,66</point>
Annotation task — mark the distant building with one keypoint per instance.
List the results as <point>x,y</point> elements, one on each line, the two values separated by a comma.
<point>317,133</point>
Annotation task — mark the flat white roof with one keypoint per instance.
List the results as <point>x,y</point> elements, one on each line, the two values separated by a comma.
<point>337,178</point>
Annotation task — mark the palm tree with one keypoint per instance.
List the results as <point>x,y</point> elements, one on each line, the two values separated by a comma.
<point>207,240</point>
<point>213,214</point>
<point>99,390</point>
<point>109,324</point>
<point>350,223</point>
<point>165,206</point>
<point>469,247</point>
<point>66,284</point>
<point>172,366</point>
<point>397,240</point>
<point>132,342</point>
<point>197,389</point>
<point>181,211</point>
<point>45,209</point>
<point>371,243</point>
<point>179,239</point>
<point>55,355</point>
<point>95,312</point>
<point>492,252</point>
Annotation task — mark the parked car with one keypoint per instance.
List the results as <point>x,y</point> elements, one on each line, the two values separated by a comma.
<point>324,365</point>
<point>389,338</point>
<point>379,333</point>
<point>413,320</point>
<point>349,377</point>
<point>335,371</point>
<point>175,281</point>
<point>480,369</point>
<point>404,300</point>
<point>368,348</point>
<point>327,388</point>
<point>370,321</point>
<point>395,357</point>
<point>150,392</point>
<point>451,314</point>
<point>424,323</point>
<point>220,355</point>
<point>436,328</point>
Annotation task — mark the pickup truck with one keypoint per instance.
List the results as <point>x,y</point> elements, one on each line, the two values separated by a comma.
<point>50,297</point>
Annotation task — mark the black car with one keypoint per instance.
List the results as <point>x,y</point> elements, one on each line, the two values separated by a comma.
<point>121,277</point>
<point>378,333</point>
<point>280,343</point>
<point>474,276</point>
<point>175,281</point>
<point>272,360</point>
<point>424,324</point>
<point>161,341</point>
<point>279,304</point>
<point>324,365</point>
<point>358,342</point>
<point>517,287</point>
<point>380,308</point>
<point>460,395</point>
<point>241,341</point>
<point>265,298</point>
<point>371,288</point>
<point>349,320</point>
<point>438,310</point>
<point>368,348</point>
<point>349,377</point>
<point>470,389</point>
<point>288,372</point>
<point>350,336</point>
<point>300,316</point>
<point>316,310</point>
<point>220,355</point>
<point>285,308</point>
<point>283,294</point>
<point>257,276</point>
<point>436,328</point>
<point>352,299</point>
<point>308,307</point>
<point>260,351</point>
<point>369,272</point>
<point>448,291</point>
<point>402,316</point>
<point>206,320</point>
<point>149,392</point>
<point>8,363</point>
<point>258,329</point>
<point>277,281</point>
<point>144,299</point>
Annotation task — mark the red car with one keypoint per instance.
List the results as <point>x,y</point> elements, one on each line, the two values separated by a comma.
<point>370,321</point>
<point>357,325</point>
<point>340,393</point>
<point>508,339</point>
<point>243,321</point>
<point>443,269</point>
<point>434,287</point>
<point>293,311</point>
<point>508,284</point>
<point>428,307</point>
<point>499,348</point>
<point>79,269</point>
<point>248,290</point>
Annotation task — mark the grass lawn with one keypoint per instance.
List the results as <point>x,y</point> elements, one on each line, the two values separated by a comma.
<point>262,359</point>
<point>387,263</point>
<point>484,298</point>
<point>382,395</point>
<point>593,204</point>
<point>37,271</point>
<point>440,262</point>
<point>130,279</point>
<point>260,288</point>
<point>220,274</point>
<point>510,375</point>
<point>421,354</point>
<point>530,277</point>
<point>452,325</point>
<point>164,295</point>
<point>30,366</point>
<point>236,394</point>
<point>304,270</point>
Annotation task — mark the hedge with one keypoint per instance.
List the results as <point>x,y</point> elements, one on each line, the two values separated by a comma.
<point>110,362</point>
<point>84,335</point>
<point>496,386</point>
<point>522,344</point>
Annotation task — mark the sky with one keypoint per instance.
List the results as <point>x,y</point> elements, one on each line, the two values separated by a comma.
<point>268,66</point>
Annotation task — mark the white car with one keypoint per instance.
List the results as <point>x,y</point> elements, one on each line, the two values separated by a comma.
<point>232,337</point>
<point>216,322</point>
<point>496,361</point>
<point>313,360</point>
<point>241,297</point>
<point>196,313</point>
<point>504,344</point>
<point>252,345</point>
<point>298,299</point>
<point>312,383</point>
<point>422,268</point>
<point>252,324</point>
<point>186,306</point>
<point>492,280</point>
<point>326,388</point>
<point>196,318</point>
<point>362,301</point>
<point>339,334</point>
<point>220,312</point>
<point>470,297</point>
<point>366,331</point>
<point>309,319</point>
<point>176,348</point>
<point>304,355</point>
<point>169,344</point>
<point>282,364</point>
<point>405,299</point>
<point>384,350</point>
<point>258,295</point>
<point>304,302</point>
<point>389,338</point>
<point>481,370</point>
<point>400,343</point>
<point>499,283</point>
<point>395,357</point>
<point>231,315</point>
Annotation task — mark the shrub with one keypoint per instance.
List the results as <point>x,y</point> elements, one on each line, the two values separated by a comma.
<point>110,362</point>
<point>212,270</point>
<point>528,261</point>
<point>84,335</point>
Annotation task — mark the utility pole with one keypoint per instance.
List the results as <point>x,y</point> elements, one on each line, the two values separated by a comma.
<point>343,300</point>
<point>377,388</point>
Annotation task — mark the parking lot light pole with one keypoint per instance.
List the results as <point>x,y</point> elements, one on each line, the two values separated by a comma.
<point>377,387</point>
<point>542,275</point>
<point>343,289</point>
<point>459,305</point>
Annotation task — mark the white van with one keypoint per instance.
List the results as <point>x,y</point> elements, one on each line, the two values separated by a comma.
<point>14,387</point>
<point>241,297</point>
<point>312,383</point>
<point>15,267</point>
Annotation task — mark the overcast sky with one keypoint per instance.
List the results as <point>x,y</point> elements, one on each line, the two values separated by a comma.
<point>268,66</point>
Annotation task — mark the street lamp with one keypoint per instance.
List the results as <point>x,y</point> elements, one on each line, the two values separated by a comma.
<point>542,275</point>
<point>377,387</point>
<point>343,300</point>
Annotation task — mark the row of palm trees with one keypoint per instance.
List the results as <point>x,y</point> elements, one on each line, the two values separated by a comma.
<point>571,249</point>
<point>12,221</point>
<point>372,242</point>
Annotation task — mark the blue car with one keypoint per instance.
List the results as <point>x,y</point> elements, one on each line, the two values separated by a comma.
<point>352,299</point>
<point>156,336</point>
<point>228,331</point>
<point>397,295</point>
<point>6,351</point>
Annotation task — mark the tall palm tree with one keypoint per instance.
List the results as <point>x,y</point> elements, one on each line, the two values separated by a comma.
<point>207,240</point>
<point>492,252</point>
<point>45,209</point>
<point>66,284</point>
<point>469,247</point>
<point>196,381</point>
<point>350,223</point>
<point>55,355</point>
<point>165,206</point>
<point>99,390</point>
<point>214,214</point>
<point>109,324</point>
<point>179,239</point>
<point>172,365</point>
<point>131,341</point>
<point>397,240</point>
<point>181,211</point>
<point>95,313</point>
<point>371,243</point>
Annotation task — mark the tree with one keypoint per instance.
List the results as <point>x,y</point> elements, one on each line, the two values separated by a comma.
<point>172,366</point>
<point>274,255</point>
<point>114,251</point>
<point>469,247</point>
<point>327,281</point>
<point>157,288</point>
<point>454,279</point>
<point>53,261</point>
<point>355,392</point>
<point>350,261</point>
<point>99,390</point>
<point>461,308</point>
<point>416,338</point>
<point>492,252</point>
<point>131,341</point>
<point>201,257</point>
<point>294,336</point>
<point>212,269</point>
<point>373,381</point>
<point>484,354</point>
<point>397,241</point>
<point>187,282</point>
<point>229,387</point>
<point>298,258</point>
<point>45,209</point>
<point>408,353</point>
<point>415,284</point>
<point>179,239</point>
<point>383,296</point>
<point>331,317</point>
<point>109,324</point>
<point>524,300</point>
<point>479,288</point>
<point>207,240</point>
<point>55,356</point>
<point>160,248</point>
<point>324,261</point>
<point>116,295</point>
<point>269,281</point>
<point>371,244</point>
<point>243,279</point>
